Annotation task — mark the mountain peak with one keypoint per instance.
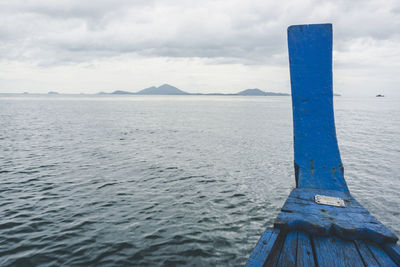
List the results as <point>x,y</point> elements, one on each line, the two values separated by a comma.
<point>166,85</point>
<point>164,89</point>
<point>254,91</point>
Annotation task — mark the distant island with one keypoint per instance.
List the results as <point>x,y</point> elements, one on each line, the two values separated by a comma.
<point>164,89</point>
<point>52,93</point>
<point>167,89</point>
<point>257,91</point>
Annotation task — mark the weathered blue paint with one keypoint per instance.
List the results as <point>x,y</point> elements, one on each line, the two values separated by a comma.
<point>380,255</point>
<point>301,213</point>
<point>263,249</point>
<point>393,250</point>
<point>306,233</point>
<point>288,253</point>
<point>366,254</point>
<point>304,255</point>
<point>316,152</point>
<point>318,167</point>
<point>298,249</point>
<point>334,252</point>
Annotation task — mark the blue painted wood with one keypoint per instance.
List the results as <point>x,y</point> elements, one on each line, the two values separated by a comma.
<point>366,254</point>
<point>341,236</point>
<point>301,213</point>
<point>306,196</point>
<point>289,251</point>
<point>316,152</point>
<point>333,252</point>
<point>380,255</point>
<point>263,248</point>
<point>304,256</point>
<point>393,250</point>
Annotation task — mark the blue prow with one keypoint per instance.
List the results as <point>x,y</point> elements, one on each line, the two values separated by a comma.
<point>316,152</point>
<point>320,224</point>
<point>318,167</point>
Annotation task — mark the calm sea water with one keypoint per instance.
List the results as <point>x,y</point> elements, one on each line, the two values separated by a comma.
<point>186,180</point>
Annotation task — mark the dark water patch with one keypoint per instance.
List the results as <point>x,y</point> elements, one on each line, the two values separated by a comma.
<point>190,177</point>
<point>238,195</point>
<point>230,206</point>
<point>219,200</point>
<point>9,225</point>
<point>105,185</point>
<point>208,181</point>
<point>137,257</point>
<point>196,253</point>
<point>7,203</point>
<point>206,220</point>
<point>47,188</point>
<point>80,224</point>
<point>108,204</point>
<point>47,166</point>
<point>173,262</point>
<point>152,237</point>
<point>20,249</point>
<point>152,206</point>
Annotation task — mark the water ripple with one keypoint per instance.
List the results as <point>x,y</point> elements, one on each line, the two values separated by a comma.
<point>188,183</point>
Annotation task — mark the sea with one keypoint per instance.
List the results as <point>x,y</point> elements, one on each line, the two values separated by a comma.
<point>108,180</point>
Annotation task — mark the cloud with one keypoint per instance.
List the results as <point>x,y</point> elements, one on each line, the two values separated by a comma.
<point>241,31</point>
<point>55,33</point>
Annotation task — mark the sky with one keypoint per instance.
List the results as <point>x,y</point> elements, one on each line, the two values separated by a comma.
<point>203,46</point>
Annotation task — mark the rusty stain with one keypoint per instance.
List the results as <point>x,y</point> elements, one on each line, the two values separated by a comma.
<point>312,166</point>
<point>341,168</point>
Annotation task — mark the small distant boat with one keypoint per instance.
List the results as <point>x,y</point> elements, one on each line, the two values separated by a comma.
<point>380,96</point>
<point>320,224</point>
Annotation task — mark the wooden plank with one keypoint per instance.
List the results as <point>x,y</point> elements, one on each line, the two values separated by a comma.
<point>316,152</point>
<point>393,250</point>
<point>304,254</point>
<point>288,253</point>
<point>309,193</point>
<point>263,248</point>
<point>380,255</point>
<point>301,213</point>
<point>296,205</point>
<point>276,251</point>
<point>306,195</point>
<point>334,252</point>
<point>366,255</point>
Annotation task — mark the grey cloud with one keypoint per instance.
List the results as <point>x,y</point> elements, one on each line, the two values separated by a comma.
<point>56,32</point>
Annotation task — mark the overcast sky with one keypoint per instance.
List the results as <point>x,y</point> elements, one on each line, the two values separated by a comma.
<point>199,46</point>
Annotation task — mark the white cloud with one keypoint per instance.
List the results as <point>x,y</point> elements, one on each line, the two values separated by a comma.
<point>231,38</point>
